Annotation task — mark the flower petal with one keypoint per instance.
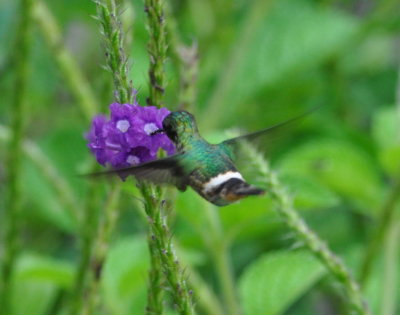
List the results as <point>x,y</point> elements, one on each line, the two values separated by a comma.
<point>126,138</point>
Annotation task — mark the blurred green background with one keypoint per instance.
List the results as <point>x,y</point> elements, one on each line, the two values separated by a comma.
<point>259,62</point>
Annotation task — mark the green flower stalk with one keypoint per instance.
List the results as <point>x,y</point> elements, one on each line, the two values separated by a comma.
<point>117,65</point>
<point>97,231</point>
<point>305,235</point>
<point>14,197</point>
<point>120,148</point>
<point>162,251</point>
<point>117,62</point>
<point>159,236</point>
<point>157,49</point>
<point>319,248</point>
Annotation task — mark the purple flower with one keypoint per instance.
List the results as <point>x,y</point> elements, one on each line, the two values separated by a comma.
<point>126,139</point>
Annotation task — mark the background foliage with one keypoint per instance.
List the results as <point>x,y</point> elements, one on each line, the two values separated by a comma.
<point>259,62</point>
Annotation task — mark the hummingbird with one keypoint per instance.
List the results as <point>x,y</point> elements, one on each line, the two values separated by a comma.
<point>209,169</point>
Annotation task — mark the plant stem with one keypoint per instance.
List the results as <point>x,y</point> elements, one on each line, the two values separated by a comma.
<point>154,290</point>
<point>162,248</point>
<point>397,95</point>
<point>386,217</point>
<point>88,231</point>
<point>162,254</point>
<point>304,234</point>
<point>157,49</point>
<point>98,227</point>
<point>78,85</point>
<point>117,62</point>
<point>101,245</point>
<point>392,249</point>
<point>391,270</point>
<point>14,197</point>
<point>387,211</point>
<point>219,249</point>
<point>319,248</point>
<point>207,300</point>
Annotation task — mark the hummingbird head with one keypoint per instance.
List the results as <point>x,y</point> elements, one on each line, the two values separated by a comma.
<point>179,126</point>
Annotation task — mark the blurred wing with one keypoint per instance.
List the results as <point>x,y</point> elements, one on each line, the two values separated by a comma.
<point>162,171</point>
<point>233,146</point>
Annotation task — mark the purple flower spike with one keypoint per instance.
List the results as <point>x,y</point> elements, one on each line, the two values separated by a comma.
<point>126,139</point>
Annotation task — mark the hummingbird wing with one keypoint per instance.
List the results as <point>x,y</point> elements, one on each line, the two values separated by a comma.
<point>233,146</point>
<point>162,171</point>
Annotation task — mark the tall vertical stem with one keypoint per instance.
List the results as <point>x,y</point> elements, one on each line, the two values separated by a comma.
<point>117,61</point>
<point>304,234</point>
<point>387,212</point>
<point>391,270</point>
<point>88,230</point>
<point>163,256</point>
<point>384,220</point>
<point>98,226</point>
<point>14,196</point>
<point>157,49</point>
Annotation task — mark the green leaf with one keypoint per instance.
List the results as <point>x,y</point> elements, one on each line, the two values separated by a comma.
<point>45,269</point>
<point>125,276</point>
<point>278,41</point>
<point>308,193</point>
<point>385,128</point>
<point>340,166</point>
<point>276,280</point>
<point>307,35</point>
<point>38,279</point>
<point>386,132</point>
<point>248,217</point>
<point>32,297</point>
<point>374,287</point>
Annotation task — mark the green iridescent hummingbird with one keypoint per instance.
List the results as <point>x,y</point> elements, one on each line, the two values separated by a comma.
<point>208,168</point>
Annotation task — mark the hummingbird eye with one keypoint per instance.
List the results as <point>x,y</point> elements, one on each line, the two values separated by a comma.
<point>171,133</point>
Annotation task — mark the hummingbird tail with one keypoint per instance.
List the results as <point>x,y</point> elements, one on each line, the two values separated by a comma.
<point>248,190</point>
<point>235,189</point>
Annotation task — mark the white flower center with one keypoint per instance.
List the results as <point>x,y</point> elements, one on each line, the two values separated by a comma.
<point>150,128</point>
<point>132,160</point>
<point>123,125</point>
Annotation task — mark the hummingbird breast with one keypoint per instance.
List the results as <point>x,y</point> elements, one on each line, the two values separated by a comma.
<point>215,177</point>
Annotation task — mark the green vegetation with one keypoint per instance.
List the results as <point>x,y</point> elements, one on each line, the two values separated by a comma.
<point>322,240</point>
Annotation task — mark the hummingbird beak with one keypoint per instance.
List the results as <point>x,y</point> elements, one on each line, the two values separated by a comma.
<point>157,132</point>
